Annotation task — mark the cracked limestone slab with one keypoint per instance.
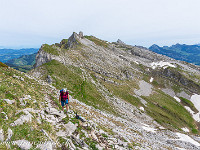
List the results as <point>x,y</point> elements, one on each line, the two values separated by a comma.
<point>6,117</point>
<point>9,101</point>
<point>45,146</point>
<point>1,135</point>
<point>70,128</point>
<point>22,119</point>
<point>23,144</point>
<point>54,111</point>
<point>10,133</point>
<point>145,89</point>
<point>61,133</point>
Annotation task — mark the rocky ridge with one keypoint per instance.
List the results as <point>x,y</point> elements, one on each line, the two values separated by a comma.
<point>130,123</point>
<point>115,59</point>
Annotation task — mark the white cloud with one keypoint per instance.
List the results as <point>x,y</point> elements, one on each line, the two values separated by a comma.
<point>135,22</point>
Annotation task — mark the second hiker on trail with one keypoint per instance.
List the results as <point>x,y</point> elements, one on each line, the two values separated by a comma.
<point>64,99</point>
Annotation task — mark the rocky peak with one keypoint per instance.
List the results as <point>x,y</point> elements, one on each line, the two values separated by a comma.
<point>81,34</point>
<point>74,39</point>
<point>120,41</point>
<point>51,52</point>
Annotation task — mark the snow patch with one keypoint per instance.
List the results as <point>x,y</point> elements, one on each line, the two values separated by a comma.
<point>161,128</point>
<point>136,62</point>
<point>151,80</point>
<point>177,99</point>
<point>196,116</point>
<point>147,128</point>
<point>185,129</point>
<point>189,109</point>
<point>141,108</point>
<point>186,138</point>
<point>195,99</point>
<point>161,64</point>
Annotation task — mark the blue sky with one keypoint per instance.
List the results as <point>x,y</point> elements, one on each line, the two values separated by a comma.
<point>30,23</point>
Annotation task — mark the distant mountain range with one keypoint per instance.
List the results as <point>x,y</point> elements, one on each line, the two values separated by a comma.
<point>183,52</point>
<point>23,63</point>
<point>8,54</point>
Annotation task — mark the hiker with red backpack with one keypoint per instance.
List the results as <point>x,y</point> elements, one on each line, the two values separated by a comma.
<point>64,99</point>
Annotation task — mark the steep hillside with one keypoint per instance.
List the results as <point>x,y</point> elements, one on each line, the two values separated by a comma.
<point>23,63</point>
<point>188,53</point>
<point>127,96</point>
<point>109,75</point>
<point>31,118</point>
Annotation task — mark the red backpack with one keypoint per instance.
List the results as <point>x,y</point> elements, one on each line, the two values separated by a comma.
<point>63,96</point>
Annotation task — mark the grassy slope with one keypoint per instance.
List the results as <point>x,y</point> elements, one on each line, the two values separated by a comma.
<point>50,49</point>
<point>81,88</point>
<point>161,107</point>
<point>97,41</point>
<point>188,103</point>
<point>124,91</point>
<point>166,111</point>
